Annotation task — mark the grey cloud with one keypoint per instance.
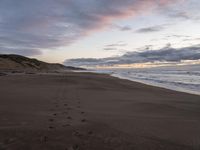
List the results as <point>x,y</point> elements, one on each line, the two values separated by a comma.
<point>119,44</point>
<point>126,28</point>
<point>185,14</point>
<point>151,29</point>
<point>145,48</point>
<point>123,28</point>
<point>178,36</point>
<point>110,48</point>
<point>166,54</point>
<point>170,37</point>
<point>91,61</point>
<point>191,39</point>
<point>116,46</point>
<point>189,10</point>
<point>48,24</point>
<point>182,15</point>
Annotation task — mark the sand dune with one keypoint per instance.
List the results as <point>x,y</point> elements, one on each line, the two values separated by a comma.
<point>21,63</point>
<point>86,111</point>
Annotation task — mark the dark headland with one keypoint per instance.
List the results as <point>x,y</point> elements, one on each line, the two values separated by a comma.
<point>86,111</point>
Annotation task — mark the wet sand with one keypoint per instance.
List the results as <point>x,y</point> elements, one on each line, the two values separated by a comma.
<point>86,111</point>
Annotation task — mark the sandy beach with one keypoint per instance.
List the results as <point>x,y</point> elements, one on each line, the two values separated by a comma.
<point>87,111</point>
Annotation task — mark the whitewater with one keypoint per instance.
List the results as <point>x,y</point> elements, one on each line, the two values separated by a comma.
<point>183,79</point>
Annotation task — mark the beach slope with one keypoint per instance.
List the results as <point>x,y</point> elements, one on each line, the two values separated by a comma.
<point>87,111</point>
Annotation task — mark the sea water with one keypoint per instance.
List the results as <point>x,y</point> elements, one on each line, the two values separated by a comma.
<point>184,80</point>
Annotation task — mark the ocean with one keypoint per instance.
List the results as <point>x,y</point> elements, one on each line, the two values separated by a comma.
<point>184,79</point>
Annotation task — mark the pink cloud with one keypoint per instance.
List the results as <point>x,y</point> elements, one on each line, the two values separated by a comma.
<point>119,11</point>
<point>48,24</point>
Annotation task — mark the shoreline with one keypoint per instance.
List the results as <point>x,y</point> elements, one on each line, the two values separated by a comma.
<point>90,111</point>
<point>160,86</point>
<point>173,88</point>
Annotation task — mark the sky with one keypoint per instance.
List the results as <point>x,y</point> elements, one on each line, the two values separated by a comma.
<point>114,33</point>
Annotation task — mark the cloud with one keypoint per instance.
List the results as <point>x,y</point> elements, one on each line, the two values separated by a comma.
<point>191,39</point>
<point>89,61</point>
<point>49,24</point>
<point>166,54</point>
<point>25,52</point>
<point>151,29</point>
<point>185,15</point>
<point>110,49</point>
<point>189,10</point>
<point>116,46</point>
<point>178,36</point>
<point>181,14</point>
<point>123,28</point>
<point>145,48</point>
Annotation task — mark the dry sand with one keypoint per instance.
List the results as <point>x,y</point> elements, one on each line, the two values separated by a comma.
<point>86,111</point>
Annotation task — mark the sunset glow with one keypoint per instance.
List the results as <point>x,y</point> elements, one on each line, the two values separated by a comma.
<point>76,29</point>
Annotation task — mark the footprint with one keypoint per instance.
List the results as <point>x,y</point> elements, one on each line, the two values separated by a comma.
<point>66,125</point>
<point>9,141</point>
<point>65,104</point>
<point>78,134</point>
<point>82,112</point>
<point>55,114</point>
<point>51,120</point>
<point>90,132</point>
<point>51,127</point>
<point>69,117</point>
<point>65,112</point>
<point>83,120</point>
<point>43,139</point>
<point>75,147</point>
